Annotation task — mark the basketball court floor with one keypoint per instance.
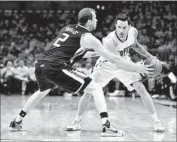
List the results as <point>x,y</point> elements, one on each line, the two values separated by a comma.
<point>49,119</point>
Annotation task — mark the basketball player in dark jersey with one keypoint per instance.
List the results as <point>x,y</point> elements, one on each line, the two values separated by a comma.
<point>54,67</point>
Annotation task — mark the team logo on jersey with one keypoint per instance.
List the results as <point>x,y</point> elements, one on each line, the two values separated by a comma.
<point>124,52</point>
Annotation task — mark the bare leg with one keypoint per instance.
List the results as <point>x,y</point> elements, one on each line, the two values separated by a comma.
<point>82,104</point>
<point>31,102</point>
<point>96,90</point>
<point>147,100</point>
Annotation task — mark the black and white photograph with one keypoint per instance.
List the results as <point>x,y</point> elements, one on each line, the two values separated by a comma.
<point>88,70</point>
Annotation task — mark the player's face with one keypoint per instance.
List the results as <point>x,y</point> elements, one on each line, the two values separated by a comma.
<point>122,28</point>
<point>93,22</point>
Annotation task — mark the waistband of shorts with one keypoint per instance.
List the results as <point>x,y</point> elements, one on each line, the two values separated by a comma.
<point>55,65</point>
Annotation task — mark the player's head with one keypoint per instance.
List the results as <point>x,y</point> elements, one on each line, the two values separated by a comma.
<point>87,18</point>
<point>122,25</point>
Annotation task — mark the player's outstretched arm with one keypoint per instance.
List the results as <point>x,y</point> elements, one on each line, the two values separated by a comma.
<point>89,41</point>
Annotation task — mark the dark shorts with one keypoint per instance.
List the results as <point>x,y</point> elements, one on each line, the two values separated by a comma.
<point>48,76</point>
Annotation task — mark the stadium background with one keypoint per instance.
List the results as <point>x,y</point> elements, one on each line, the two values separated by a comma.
<point>27,27</point>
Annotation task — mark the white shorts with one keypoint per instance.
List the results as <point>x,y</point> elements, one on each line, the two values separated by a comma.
<point>104,71</point>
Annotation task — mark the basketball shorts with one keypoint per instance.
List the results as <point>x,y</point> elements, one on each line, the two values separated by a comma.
<point>69,79</point>
<point>105,71</point>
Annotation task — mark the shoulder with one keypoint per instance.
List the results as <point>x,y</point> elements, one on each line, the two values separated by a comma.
<point>69,25</point>
<point>134,31</point>
<point>111,34</point>
<point>64,28</point>
<point>109,39</point>
<point>88,41</point>
<point>87,37</point>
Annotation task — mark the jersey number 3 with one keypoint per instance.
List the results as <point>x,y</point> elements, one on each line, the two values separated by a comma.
<point>61,39</point>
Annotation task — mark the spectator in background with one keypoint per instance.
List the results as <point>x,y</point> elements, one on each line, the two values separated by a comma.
<point>143,38</point>
<point>7,73</point>
<point>32,83</point>
<point>165,85</point>
<point>31,69</point>
<point>170,81</point>
<point>21,75</point>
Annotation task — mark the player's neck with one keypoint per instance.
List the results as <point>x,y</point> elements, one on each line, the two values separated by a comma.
<point>123,39</point>
<point>84,27</point>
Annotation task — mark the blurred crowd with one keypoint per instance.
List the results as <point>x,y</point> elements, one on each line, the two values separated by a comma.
<point>25,34</point>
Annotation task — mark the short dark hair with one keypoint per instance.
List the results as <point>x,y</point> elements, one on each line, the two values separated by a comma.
<point>84,15</point>
<point>123,17</point>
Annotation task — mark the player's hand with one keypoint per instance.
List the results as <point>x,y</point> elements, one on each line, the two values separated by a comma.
<point>144,69</point>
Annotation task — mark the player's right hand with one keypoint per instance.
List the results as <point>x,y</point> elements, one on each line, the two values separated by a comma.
<point>144,69</point>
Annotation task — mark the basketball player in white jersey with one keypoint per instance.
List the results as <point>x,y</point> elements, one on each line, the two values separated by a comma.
<point>119,42</point>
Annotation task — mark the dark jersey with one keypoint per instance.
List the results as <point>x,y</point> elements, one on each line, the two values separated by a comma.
<point>64,47</point>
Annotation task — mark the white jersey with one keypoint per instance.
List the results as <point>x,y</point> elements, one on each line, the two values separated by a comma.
<point>104,71</point>
<point>112,43</point>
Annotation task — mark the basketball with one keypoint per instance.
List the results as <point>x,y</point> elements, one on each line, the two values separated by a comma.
<point>156,64</point>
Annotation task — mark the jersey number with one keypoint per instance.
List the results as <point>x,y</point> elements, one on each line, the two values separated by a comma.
<point>61,39</point>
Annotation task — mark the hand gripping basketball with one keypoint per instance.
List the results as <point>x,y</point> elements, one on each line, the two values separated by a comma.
<point>157,65</point>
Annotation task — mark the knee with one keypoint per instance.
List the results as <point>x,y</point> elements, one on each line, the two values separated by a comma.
<point>87,96</point>
<point>93,86</point>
